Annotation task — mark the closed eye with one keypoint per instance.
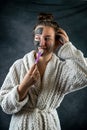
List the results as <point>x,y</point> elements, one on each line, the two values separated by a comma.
<point>48,39</point>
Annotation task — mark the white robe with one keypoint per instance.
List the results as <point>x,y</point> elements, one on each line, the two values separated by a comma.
<point>64,73</point>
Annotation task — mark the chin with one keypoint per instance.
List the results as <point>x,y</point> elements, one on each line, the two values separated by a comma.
<point>47,53</point>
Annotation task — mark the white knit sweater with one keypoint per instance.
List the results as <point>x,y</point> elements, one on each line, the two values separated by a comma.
<point>38,110</point>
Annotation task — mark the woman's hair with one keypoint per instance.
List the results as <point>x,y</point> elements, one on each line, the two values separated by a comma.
<point>47,19</point>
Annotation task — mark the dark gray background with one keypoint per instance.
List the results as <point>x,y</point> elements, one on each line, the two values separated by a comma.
<point>17,19</point>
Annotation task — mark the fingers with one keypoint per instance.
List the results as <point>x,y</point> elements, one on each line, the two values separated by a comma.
<point>31,77</point>
<point>34,73</point>
<point>63,37</point>
<point>32,69</point>
<point>61,31</point>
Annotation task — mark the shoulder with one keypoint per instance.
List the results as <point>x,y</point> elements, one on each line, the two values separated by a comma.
<point>22,62</point>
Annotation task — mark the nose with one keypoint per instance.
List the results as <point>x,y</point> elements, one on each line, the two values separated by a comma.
<point>42,41</point>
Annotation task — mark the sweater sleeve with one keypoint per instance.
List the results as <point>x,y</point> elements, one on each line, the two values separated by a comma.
<point>74,68</point>
<point>9,98</point>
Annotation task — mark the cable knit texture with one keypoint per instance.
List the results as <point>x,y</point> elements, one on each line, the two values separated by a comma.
<point>64,73</point>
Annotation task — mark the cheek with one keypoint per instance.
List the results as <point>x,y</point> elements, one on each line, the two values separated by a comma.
<point>36,43</point>
<point>50,45</point>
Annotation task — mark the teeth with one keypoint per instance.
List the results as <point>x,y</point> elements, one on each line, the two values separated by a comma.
<point>41,51</point>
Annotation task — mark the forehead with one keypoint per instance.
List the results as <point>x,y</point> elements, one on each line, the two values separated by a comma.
<point>44,30</point>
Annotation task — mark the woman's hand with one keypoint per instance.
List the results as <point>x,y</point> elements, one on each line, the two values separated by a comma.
<point>30,78</point>
<point>62,37</point>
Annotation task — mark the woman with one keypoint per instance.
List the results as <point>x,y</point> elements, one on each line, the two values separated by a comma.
<point>36,84</point>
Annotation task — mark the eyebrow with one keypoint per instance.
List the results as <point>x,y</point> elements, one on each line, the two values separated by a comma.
<point>48,36</point>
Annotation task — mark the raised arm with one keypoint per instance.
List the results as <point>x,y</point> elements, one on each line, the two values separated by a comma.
<point>74,70</point>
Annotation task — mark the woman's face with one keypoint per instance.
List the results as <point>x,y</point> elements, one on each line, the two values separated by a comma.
<point>44,38</point>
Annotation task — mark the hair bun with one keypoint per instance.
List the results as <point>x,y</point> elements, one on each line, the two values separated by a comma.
<point>45,17</point>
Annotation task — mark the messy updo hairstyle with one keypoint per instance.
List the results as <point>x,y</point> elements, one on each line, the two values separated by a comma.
<point>47,19</point>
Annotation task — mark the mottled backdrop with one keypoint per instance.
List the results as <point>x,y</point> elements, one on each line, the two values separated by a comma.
<point>17,19</point>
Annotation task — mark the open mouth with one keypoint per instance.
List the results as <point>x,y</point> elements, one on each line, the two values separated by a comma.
<point>44,50</point>
<point>40,48</point>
